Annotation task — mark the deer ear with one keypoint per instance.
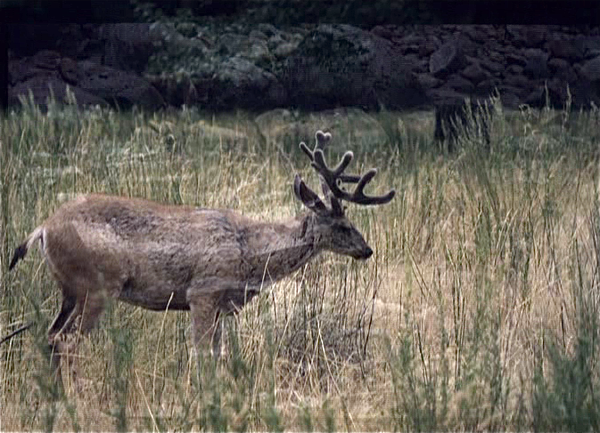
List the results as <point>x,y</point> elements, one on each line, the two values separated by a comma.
<point>308,196</point>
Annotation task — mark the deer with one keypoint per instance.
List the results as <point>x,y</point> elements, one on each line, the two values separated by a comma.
<point>210,262</point>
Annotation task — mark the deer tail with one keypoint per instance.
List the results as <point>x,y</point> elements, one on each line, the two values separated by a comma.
<point>22,249</point>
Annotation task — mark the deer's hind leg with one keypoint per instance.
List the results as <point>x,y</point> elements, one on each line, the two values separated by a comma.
<point>76,314</point>
<point>61,325</point>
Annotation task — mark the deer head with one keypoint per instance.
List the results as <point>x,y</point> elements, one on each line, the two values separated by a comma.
<point>331,229</point>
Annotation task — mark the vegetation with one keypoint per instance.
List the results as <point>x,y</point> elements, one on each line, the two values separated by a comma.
<point>478,311</point>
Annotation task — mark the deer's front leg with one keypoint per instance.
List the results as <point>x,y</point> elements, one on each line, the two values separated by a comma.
<point>206,326</point>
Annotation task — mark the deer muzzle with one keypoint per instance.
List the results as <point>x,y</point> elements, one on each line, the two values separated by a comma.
<point>364,255</point>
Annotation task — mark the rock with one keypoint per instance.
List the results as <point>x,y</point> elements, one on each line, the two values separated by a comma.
<point>446,60</point>
<point>555,64</point>
<point>558,91</point>
<point>341,65</point>
<point>177,91</point>
<point>535,36</point>
<point>385,31</point>
<point>564,49</point>
<point>187,29</point>
<point>456,118</point>
<point>445,95</point>
<point>238,76</point>
<point>237,82</point>
<point>69,70</point>
<point>39,64</point>
<point>267,29</point>
<point>44,87</point>
<point>229,138</point>
<point>429,47</point>
<point>232,43</point>
<point>121,88</point>
<point>21,70</point>
<point>486,87</point>
<point>536,98</point>
<point>46,59</point>
<point>274,124</point>
<point>527,36</point>
<point>517,80</point>
<point>460,84</point>
<point>516,58</point>
<point>258,50</point>
<point>284,49</point>
<point>475,33</point>
<point>90,83</point>
<point>591,69</point>
<point>427,81</point>
<point>587,45</point>
<point>514,70</point>
<point>492,66</point>
<point>128,46</point>
<point>509,99</point>
<point>475,73</point>
<point>562,70</point>
<point>537,64</point>
<point>517,34</point>
<point>257,35</point>
<point>585,94</point>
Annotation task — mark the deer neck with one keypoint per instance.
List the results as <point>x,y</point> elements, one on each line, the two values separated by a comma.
<point>281,248</point>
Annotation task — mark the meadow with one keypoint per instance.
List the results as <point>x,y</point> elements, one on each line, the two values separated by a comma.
<point>479,309</point>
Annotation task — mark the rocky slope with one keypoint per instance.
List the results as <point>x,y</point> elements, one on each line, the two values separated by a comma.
<point>218,65</point>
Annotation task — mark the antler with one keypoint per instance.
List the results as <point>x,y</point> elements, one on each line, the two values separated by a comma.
<point>333,177</point>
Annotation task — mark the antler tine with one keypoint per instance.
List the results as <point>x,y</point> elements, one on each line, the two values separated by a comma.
<point>358,196</point>
<point>321,138</point>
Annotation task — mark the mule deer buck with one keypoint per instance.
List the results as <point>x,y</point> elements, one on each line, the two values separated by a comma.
<point>211,262</point>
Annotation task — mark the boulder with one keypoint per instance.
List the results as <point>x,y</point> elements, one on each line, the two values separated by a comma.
<point>43,88</point>
<point>591,69</point>
<point>460,84</point>
<point>536,65</point>
<point>448,59</point>
<point>120,88</point>
<point>341,65</point>
<point>128,46</point>
<point>240,83</point>
<point>565,49</point>
<point>486,87</point>
<point>475,73</point>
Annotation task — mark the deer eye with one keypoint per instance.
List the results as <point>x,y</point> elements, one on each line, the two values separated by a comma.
<point>344,228</point>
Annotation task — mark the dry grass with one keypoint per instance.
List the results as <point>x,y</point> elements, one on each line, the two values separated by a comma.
<point>478,310</point>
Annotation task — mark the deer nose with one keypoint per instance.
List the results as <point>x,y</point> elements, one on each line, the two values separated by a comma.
<point>368,253</point>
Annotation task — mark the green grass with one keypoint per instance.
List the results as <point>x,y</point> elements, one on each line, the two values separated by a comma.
<point>478,311</point>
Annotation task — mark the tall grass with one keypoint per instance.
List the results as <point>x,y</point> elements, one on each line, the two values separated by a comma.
<point>478,311</point>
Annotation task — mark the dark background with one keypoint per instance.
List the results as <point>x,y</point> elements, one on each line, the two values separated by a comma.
<point>361,13</point>
<point>355,12</point>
